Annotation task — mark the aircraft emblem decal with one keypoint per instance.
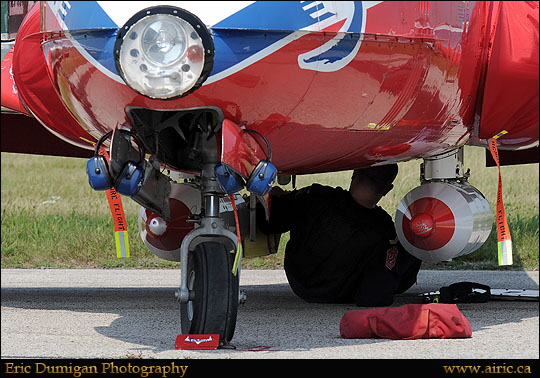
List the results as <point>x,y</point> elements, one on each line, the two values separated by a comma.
<point>341,17</point>
<point>339,51</point>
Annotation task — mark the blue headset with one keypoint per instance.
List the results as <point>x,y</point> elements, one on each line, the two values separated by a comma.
<point>130,179</point>
<point>260,180</point>
<point>97,168</point>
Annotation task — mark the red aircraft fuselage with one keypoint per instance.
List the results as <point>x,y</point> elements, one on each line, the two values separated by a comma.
<point>421,78</point>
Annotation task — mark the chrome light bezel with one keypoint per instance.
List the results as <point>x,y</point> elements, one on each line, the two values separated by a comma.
<point>171,73</point>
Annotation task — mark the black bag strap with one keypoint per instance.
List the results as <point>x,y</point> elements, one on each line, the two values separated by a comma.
<point>465,292</point>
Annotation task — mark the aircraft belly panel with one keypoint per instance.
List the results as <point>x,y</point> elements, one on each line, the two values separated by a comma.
<point>375,94</point>
<point>364,83</point>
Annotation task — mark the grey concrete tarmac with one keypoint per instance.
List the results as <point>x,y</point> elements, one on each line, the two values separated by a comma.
<point>93,313</point>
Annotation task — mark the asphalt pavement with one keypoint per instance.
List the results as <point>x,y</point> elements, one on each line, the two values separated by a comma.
<point>133,314</point>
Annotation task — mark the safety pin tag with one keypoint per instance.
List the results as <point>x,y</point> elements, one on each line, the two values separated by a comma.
<point>504,239</point>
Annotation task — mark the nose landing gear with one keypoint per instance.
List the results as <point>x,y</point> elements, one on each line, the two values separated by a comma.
<point>209,290</point>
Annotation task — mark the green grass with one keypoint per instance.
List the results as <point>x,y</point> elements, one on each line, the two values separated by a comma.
<point>52,218</point>
<point>69,240</point>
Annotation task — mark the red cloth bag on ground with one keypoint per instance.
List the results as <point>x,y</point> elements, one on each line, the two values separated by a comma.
<point>407,322</point>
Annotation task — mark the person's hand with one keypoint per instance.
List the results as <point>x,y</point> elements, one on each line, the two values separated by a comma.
<point>277,191</point>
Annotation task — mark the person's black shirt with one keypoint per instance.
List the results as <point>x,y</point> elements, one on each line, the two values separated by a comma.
<point>340,251</point>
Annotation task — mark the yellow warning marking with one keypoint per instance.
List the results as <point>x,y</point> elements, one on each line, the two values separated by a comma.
<point>122,244</point>
<point>497,136</point>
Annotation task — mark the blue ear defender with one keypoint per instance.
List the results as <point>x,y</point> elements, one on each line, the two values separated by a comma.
<point>97,168</point>
<point>260,180</point>
<point>130,180</point>
<point>229,180</point>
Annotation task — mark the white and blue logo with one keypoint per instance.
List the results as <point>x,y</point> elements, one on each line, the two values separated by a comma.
<point>284,22</point>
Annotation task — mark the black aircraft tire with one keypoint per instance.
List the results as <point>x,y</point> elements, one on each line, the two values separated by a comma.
<point>214,306</point>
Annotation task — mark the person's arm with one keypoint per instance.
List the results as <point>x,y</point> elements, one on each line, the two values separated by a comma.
<point>379,280</point>
<point>281,212</point>
<point>285,206</point>
<point>377,286</point>
<point>392,271</point>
